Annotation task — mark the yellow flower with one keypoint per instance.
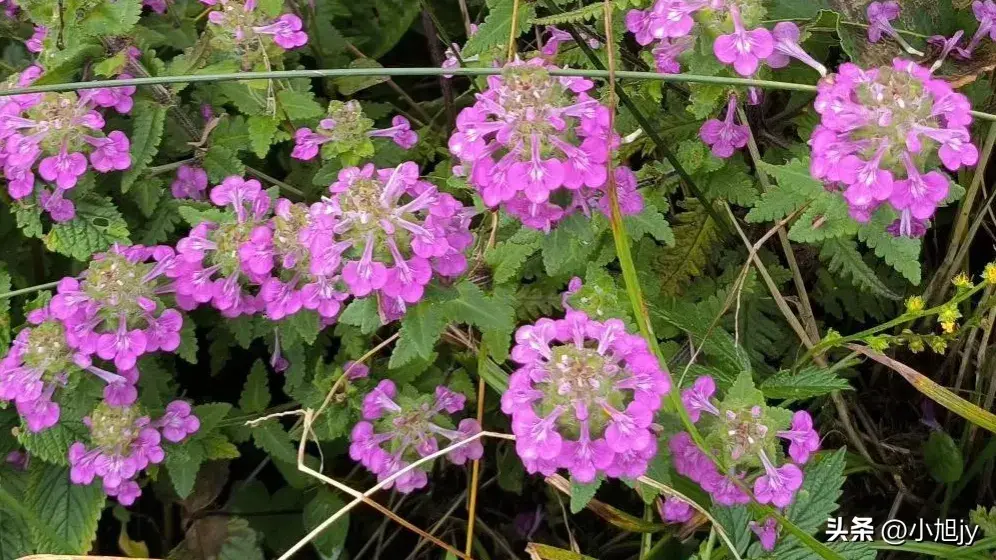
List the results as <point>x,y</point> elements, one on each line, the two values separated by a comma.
<point>961,281</point>
<point>948,326</point>
<point>989,274</point>
<point>915,304</point>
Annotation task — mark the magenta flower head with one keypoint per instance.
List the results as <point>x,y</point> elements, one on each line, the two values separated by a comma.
<point>743,49</point>
<point>389,233</point>
<point>240,24</point>
<point>877,130</point>
<point>116,310</point>
<point>985,12</point>
<point>675,510</point>
<point>726,136</point>
<point>344,133</point>
<point>211,262</point>
<point>532,138</point>
<point>123,443</point>
<point>880,16</point>
<point>803,439</point>
<point>286,32</point>
<point>402,427</point>
<point>178,422</point>
<point>37,41</point>
<point>49,136</point>
<point>584,397</point>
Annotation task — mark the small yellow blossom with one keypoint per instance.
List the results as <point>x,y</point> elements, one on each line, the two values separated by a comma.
<point>915,304</point>
<point>989,274</point>
<point>961,281</point>
<point>948,326</point>
<point>916,345</point>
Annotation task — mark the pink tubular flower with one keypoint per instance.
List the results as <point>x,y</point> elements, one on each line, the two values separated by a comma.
<point>766,532</point>
<point>400,132</point>
<point>406,429</point>
<point>190,182</point>
<point>667,51</point>
<point>37,41</point>
<point>743,49</point>
<point>803,439</point>
<point>697,398</point>
<point>985,12</point>
<point>786,35</point>
<point>877,129</point>
<point>880,14</point>
<point>112,153</point>
<point>286,31</point>
<point>777,486</point>
<point>726,136</point>
<point>531,137</point>
<point>675,510</point>
<point>583,398</point>
<point>64,169</point>
<point>178,422</point>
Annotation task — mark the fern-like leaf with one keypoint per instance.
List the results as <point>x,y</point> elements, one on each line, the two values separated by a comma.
<point>843,259</point>
<point>696,234</point>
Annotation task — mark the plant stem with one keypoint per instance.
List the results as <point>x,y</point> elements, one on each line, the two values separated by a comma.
<point>276,182</point>
<point>28,290</point>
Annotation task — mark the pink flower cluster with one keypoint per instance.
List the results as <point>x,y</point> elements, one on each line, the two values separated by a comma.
<point>123,442</point>
<point>381,233</point>
<point>531,136</point>
<point>345,129</point>
<point>877,133</point>
<point>744,441</point>
<point>49,134</point>
<point>398,429</point>
<point>584,398</point>
<point>240,21</point>
<point>115,311</point>
<point>669,24</point>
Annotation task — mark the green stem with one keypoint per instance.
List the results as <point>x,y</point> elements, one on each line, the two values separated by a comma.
<point>276,182</point>
<point>825,345</point>
<point>28,290</point>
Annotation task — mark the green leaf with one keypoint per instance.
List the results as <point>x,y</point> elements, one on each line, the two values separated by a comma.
<point>719,346</point>
<point>361,313</point>
<point>147,194</point>
<point>52,445</point>
<point>901,253</point>
<point>330,543</point>
<point>649,222</point>
<point>211,414</point>
<point>232,133</point>
<point>299,105</point>
<point>733,185</point>
<point>261,132</point>
<point>220,162</point>
<point>16,540</point>
<point>216,446</point>
<point>69,511</point>
<point>943,457</point>
<point>306,325</point>
<point>183,463</point>
<point>4,308</point>
<point>808,383</point>
<point>497,26</point>
<point>494,315</point>
<point>826,217</point>
<point>148,119</point>
<point>817,498</point>
<point>104,19</point>
<point>188,342</point>
<point>843,259</point>
<point>507,257</point>
<point>349,85</point>
<point>271,8</point>
<point>795,187</point>
<point>256,392</point>
<point>194,215</point>
<point>271,437</point>
<point>796,9</point>
<point>421,327</point>
<point>97,226</point>
<point>743,393</point>
<point>581,494</point>
<point>28,218</point>
<point>696,235</point>
<point>587,13</point>
<point>568,247</point>
<point>736,521</point>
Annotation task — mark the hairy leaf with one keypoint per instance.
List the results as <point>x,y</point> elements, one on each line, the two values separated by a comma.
<point>148,121</point>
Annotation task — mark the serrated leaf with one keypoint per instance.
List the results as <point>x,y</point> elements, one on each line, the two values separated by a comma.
<point>843,259</point>
<point>805,384</point>
<point>271,437</point>
<point>586,13</point>
<point>147,193</point>
<point>16,540</point>
<point>232,133</point>
<point>299,105</point>
<point>97,226</point>
<point>194,215</point>
<point>183,464</point>
<point>306,325</point>
<point>220,162</point>
<point>743,393</point>
<point>361,313</point>
<point>188,342</point>
<point>4,308</point>
<point>70,511</point>
<point>28,218</point>
<point>256,392</point>
<point>728,359</point>
<point>826,217</point>
<point>497,26</point>
<point>649,222</point>
<point>901,253</point>
<point>695,236</point>
<point>568,247</point>
<point>494,315</point>
<point>148,119</point>
<point>52,445</point>
<point>331,542</point>
<point>104,19</point>
<point>581,494</point>
<point>261,131</point>
<point>211,414</point>
<point>421,327</point>
<point>734,186</point>
<point>736,521</point>
<point>507,257</point>
<point>795,187</point>
<point>817,498</point>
